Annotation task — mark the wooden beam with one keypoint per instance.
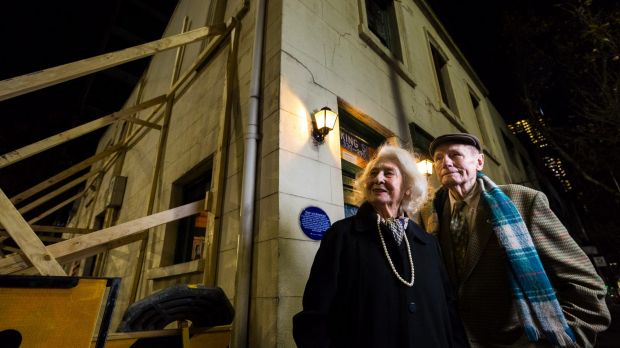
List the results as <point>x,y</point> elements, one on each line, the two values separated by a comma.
<point>191,73</point>
<point>64,188</point>
<point>135,137</point>
<point>93,243</point>
<point>16,86</point>
<point>10,249</point>
<point>56,229</point>
<point>136,120</point>
<point>55,208</point>
<point>220,160</point>
<point>193,266</point>
<point>178,59</point>
<point>60,138</point>
<point>33,249</point>
<point>65,174</point>
<point>119,162</point>
<point>204,55</point>
<point>155,181</point>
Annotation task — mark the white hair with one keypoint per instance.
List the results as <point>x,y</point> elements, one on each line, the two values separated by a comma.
<point>414,183</point>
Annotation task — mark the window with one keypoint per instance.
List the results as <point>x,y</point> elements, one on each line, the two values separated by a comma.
<point>421,141</point>
<point>440,63</point>
<point>185,238</point>
<point>382,23</point>
<point>380,29</point>
<point>475,103</point>
<point>510,148</point>
<point>192,229</point>
<point>358,144</point>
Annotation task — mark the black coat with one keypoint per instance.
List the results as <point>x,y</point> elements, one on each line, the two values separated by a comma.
<point>353,299</point>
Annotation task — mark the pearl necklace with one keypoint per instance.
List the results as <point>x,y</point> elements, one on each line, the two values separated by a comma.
<point>387,254</point>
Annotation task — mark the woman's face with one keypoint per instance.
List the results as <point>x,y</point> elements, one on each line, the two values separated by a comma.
<point>384,187</point>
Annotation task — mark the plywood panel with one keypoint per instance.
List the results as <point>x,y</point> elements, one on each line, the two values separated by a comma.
<point>47,317</point>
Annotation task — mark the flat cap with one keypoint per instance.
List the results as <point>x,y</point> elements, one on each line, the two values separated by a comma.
<point>455,138</point>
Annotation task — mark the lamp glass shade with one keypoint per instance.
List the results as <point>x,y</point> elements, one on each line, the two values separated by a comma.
<point>325,118</point>
<point>425,167</point>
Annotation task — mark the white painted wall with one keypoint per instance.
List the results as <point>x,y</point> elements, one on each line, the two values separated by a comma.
<point>324,58</point>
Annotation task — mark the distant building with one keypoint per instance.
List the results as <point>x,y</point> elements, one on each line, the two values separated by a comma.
<point>530,134</point>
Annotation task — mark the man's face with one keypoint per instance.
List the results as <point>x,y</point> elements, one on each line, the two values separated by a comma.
<point>457,164</point>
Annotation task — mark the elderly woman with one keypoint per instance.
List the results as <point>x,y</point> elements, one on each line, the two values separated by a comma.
<point>377,279</point>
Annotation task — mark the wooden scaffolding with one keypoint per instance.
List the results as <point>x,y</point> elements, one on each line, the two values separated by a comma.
<point>32,256</point>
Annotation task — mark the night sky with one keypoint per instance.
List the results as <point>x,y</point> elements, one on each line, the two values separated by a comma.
<point>41,34</point>
<point>477,28</point>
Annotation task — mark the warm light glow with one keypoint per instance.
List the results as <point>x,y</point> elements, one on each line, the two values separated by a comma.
<point>425,167</point>
<point>324,121</point>
<point>325,118</point>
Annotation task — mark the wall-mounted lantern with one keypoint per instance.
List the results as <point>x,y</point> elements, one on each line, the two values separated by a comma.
<point>425,167</point>
<point>323,121</point>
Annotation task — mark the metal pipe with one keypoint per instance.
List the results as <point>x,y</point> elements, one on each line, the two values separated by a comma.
<point>248,190</point>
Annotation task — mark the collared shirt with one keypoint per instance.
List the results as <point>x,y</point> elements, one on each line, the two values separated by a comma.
<point>471,201</point>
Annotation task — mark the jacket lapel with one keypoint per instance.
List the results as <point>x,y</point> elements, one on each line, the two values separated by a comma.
<point>480,234</point>
<point>445,240</point>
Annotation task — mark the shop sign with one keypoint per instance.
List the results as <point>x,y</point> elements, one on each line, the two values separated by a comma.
<point>354,149</point>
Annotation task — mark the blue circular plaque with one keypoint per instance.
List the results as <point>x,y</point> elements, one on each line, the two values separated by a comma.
<point>314,222</point>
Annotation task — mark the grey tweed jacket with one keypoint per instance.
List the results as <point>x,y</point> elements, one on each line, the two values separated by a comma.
<point>485,297</point>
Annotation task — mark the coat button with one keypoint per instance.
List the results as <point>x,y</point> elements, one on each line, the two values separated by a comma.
<point>412,307</point>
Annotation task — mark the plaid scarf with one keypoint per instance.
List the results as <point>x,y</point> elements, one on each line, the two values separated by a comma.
<point>397,226</point>
<point>538,307</point>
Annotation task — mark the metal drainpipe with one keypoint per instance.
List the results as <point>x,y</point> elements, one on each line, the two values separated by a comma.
<point>244,251</point>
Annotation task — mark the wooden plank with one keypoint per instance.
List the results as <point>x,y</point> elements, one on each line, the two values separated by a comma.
<point>141,122</point>
<point>33,249</point>
<point>52,317</point>
<point>55,229</point>
<point>178,59</point>
<point>55,208</point>
<point>211,339</point>
<point>16,86</point>
<point>187,77</point>
<point>185,333</point>
<point>102,258</point>
<point>193,266</point>
<point>60,138</point>
<point>10,249</point>
<point>118,161</point>
<point>137,135</point>
<point>200,61</point>
<point>93,243</point>
<point>155,181</point>
<point>220,160</point>
<point>64,188</point>
<point>65,174</point>
<point>112,336</point>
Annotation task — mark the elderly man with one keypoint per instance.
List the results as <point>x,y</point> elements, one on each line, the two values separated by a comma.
<point>522,281</point>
